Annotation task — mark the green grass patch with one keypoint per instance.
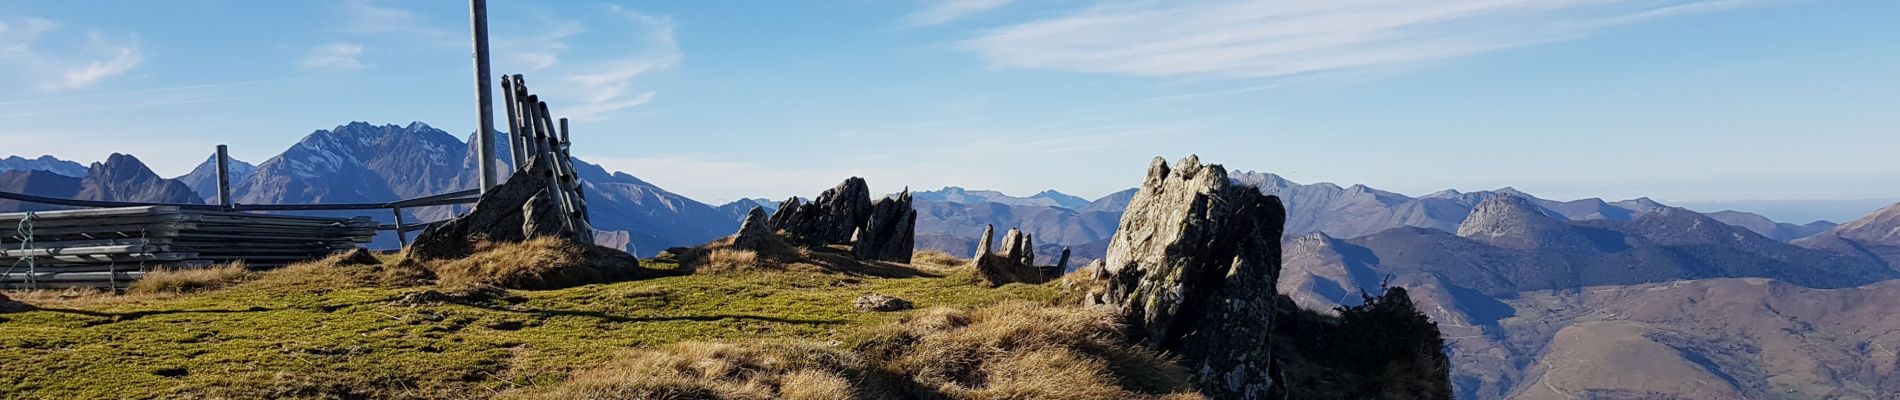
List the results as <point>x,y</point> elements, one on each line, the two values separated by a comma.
<point>321,336</point>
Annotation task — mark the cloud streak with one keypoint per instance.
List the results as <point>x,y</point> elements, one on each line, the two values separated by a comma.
<point>945,11</point>
<point>1253,39</point>
<point>64,66</point>
<point>608,86</point>
<point>338,55</point>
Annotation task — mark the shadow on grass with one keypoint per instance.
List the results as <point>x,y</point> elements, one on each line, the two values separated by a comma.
<point>624,318</point>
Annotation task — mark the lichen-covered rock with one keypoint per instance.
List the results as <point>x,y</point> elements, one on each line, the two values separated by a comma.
<point>753,233</point>
<point>880,303</point>
<point>1015,264</point>
<point>1192,268</point>
<point>890,233</point>
<point>983,244</point>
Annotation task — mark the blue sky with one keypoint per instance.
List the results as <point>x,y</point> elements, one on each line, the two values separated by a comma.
<point>1706,102</point>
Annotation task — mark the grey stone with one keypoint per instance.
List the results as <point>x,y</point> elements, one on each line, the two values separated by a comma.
<point>753,233</point>
<point>983,244</point>
<point>1015,264</point>
<point>832,217</point>
<point>890,232</point>
<point>1193,269</point>
<point>880,303</point>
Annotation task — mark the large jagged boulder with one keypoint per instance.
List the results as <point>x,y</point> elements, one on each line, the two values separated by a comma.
<point>1016,263</point>
<point>831,218</point>
<point>753,233</point>
<point>1192,269</point>
<point>514,211</point>
<point>890,232</point>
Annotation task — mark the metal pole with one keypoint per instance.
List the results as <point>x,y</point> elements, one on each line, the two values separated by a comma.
<point>224,177</point>
<point>485,129</point>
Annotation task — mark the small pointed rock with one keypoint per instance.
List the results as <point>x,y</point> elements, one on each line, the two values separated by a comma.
<point>983,243</point>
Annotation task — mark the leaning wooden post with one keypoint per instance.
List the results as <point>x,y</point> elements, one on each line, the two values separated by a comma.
<point>508,102</point>
<point>224,177</point>
<point>484,99</point>
<point>401,237</point>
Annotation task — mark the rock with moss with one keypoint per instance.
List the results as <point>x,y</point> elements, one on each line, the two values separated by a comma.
<point>1192,268</point>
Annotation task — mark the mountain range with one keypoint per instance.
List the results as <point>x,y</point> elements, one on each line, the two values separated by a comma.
<point>1538,298</point>
<point>1537,305</point>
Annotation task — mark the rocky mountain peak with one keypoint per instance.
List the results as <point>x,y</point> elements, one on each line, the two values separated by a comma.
<point>203,179</point>
<point>1512,221</point>
<point>123,177</point>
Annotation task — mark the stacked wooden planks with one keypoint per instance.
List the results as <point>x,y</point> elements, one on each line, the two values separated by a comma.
<point>110,247</point>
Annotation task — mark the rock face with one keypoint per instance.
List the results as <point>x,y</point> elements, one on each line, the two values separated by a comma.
<point>1514,222</point>
<point>831,218</point>
<point>890,233</point>
<point>1017,263</point>
<point>123,178</point>
<point>753,234</point>
<point>1193,269</point>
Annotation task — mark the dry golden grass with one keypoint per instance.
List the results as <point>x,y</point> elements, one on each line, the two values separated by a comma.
<point>78,297</point>
<point>937,259</point>
<point>700,370</point>
<point>1016,350</point>
<point>1024,350</point>
<point>729,260</point>
<point>540,263</point>
<point>190,280</point>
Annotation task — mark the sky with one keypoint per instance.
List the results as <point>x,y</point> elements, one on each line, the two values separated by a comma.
<point>1707,102</point>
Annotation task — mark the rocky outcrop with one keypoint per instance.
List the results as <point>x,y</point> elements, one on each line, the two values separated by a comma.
<point>1017,263</point>
<point>513,211</point>
<point>831,218</point>
<point>1515,222</point>
<point>753,234</point>
<point>890,233</point>
<point>1192,270</point>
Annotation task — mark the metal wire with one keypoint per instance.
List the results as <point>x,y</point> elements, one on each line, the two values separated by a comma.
<point>24,231</point>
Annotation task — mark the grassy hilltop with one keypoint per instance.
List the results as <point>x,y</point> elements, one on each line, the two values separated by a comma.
<point>742,326</point>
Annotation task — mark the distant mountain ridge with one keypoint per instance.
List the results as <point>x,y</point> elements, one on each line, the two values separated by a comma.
<point>43,163</point>
<point>1511,260</point>
<point>1046,198</point>
<point>360,162</point>
<point>120,177</point>
<point>204,178</point>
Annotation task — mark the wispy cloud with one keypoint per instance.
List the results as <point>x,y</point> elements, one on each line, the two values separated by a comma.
<point>1242,39</point>
<point>541,47</point>
<point>369,17</point>
<point>607,86</point>
<point>944,11</point>
<point>338,55</point>
<point>64,66</point>
<point>120,56</point>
